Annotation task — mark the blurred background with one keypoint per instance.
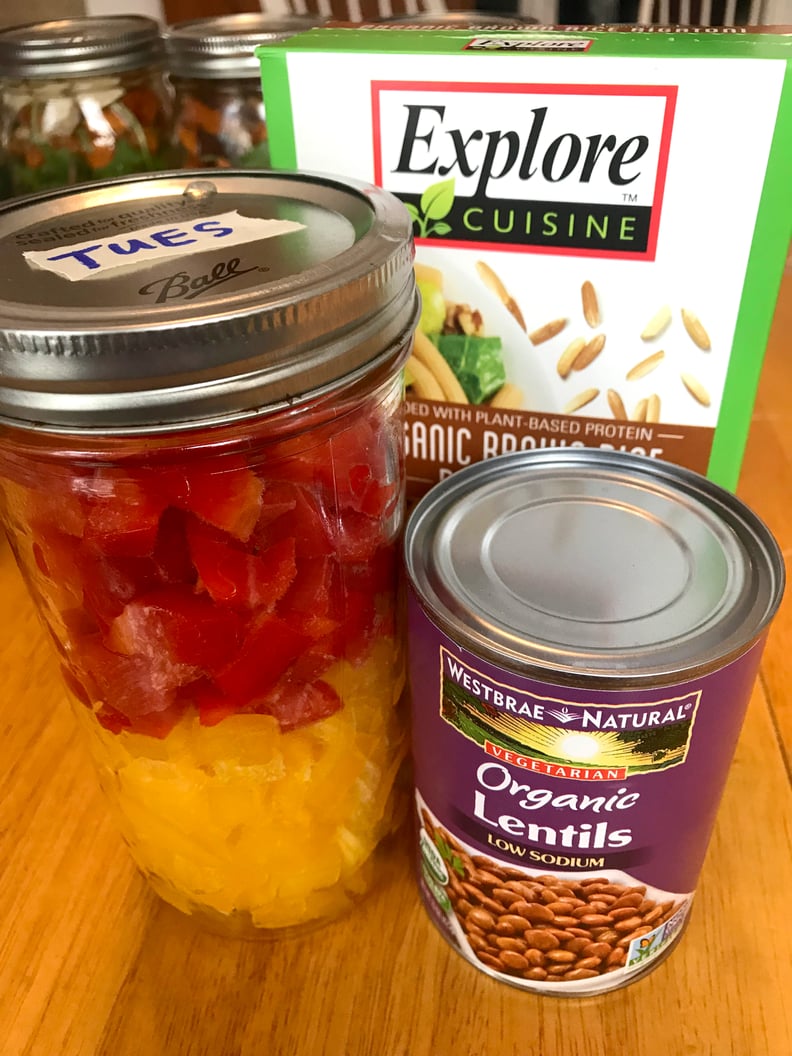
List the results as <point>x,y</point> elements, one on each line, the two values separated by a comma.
<point>703,12</point>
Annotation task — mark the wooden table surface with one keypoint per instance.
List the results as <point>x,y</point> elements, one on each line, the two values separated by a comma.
<point>93,964</point>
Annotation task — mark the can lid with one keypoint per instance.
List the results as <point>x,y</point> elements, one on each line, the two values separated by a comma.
<point>68,47</point>
<point>180,298</point>
<point>224,46</point>
<point>585,563</point>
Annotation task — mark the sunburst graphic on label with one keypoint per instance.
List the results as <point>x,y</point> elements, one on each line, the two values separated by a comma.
<point>593,749</point>
<point>579,741</point>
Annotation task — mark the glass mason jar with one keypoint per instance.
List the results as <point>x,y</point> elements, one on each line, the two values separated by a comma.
<point>454,19</point>
<point>202,479</point>
<point>82,99</point>
<point>219,111</point>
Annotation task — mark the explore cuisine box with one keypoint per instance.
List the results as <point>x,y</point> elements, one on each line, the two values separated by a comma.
<point>601,222</point>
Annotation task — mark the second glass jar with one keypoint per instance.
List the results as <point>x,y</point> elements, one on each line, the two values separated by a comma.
<point>220,121</point>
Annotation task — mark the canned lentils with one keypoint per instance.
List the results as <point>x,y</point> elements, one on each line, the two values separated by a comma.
<point>201,476</point>
<point>585,630</point>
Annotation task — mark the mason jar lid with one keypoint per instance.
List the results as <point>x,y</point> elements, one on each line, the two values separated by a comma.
<point>69,47</point>
<point>183,298</point>
<point>583,566</point>
<point>224,46</point>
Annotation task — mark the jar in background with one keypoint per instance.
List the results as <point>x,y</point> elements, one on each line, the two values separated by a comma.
<point>495,21</point>
<point>81,99</point>
<point>202,478</point>
<point>219,119</point>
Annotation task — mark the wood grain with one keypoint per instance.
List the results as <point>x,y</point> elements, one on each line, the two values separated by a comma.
<point>766,484</point>
<point>92,964</point>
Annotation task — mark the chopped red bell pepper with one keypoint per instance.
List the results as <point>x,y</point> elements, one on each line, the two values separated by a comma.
<point>128,684</point>
<point>220,586</point>
<point>278,498</point>
<point>54,505</point>
<point>357,536</point>
<point>227,496</point>
<point>158,723</point>
<point>109,583</point>
<point>114,722</point>
<point>212,705</point>
<point>177,629</point>
<point>267,652</point>
<point>299,517</point>
<point>171,552</point>
<point>123,518</point>
<point>233,576</point>
<point>296,704</point>
<point>58,556</point>
<point>315,588</point>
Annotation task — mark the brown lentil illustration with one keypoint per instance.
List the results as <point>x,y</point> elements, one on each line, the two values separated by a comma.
<point>546,928</point>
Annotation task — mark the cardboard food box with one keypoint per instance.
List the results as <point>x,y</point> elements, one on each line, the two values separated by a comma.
<point>601,223</point>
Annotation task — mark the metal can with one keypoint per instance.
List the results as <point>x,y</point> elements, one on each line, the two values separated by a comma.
<point>201,476</point>
<point>585,629</point>
<point>219,118</point>
<point>81,99</point>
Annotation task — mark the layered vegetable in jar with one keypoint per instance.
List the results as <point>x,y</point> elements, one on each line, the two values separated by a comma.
<point>219,117</point>
<point>82,99</point>
<point>206,505</point>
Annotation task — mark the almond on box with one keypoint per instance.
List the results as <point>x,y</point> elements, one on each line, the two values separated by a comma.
<point>601,223</point>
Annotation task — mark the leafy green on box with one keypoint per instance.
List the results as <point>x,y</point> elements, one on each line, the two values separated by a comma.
<point>476,361</point>
<point>436,203</point>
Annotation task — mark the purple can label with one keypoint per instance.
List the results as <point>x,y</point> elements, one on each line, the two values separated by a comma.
<point>563,829</point>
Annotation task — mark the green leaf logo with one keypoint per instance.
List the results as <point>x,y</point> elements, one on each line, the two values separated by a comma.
<point>436,203</point>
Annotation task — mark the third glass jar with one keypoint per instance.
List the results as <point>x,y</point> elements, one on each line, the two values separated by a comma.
<point>220,119</point>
